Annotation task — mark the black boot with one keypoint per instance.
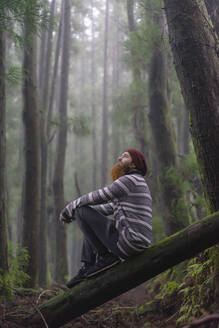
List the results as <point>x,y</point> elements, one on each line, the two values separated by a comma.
<point>80,276</point>
<point>103,263</point>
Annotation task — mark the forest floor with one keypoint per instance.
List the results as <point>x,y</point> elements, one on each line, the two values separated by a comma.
<point>121,312</point>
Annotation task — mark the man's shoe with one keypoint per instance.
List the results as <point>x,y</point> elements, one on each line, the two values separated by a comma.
<point>103,263</point>
<point>80,276</point>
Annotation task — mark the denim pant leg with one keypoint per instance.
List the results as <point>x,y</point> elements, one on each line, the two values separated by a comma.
<point>99,231</point>
<point>88,252</point>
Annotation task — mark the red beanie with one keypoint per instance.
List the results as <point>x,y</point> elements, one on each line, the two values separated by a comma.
<point>138,159</point>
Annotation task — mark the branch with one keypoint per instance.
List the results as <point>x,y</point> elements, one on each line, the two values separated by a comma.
<point>207,318</point>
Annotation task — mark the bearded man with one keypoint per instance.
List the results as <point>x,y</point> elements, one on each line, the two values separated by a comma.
<point>108,241</point>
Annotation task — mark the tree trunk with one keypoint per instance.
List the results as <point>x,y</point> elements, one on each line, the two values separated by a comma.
<point>116,83</point>
<point>58,184</point>
<point>44,158</point>
<point>3,221</point>
<point>197,66</point>
<point>53,96</point>
<point>213,10</point>
<point>32,152</point>
<point>42,56</point>
<point>175,213</point>
<point>105,132</point>
<point>55,73</point>
<point>93,102</point>
<point>183,131</point>
<point>138,111</point>
<point>129,274</point>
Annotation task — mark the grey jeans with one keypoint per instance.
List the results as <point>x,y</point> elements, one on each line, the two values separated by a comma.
<point>100,234</point>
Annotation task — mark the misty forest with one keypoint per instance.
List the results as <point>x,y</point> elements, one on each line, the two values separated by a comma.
<point>81,82</point>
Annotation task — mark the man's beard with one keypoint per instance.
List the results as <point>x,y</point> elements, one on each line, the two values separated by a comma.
<point>120,169</point>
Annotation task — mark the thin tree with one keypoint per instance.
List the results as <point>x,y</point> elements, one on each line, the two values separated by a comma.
<point>105,127</point>
<point>44,155</point>
<point>138,112</point>
<point>3,221</point>
<point>50,136</point>
<point>116,76</point>
<point>31,147</point>
<point>93,101</point>
<point>58,184</point>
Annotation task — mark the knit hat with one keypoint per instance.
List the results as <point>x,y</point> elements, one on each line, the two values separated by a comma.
<point>138,159</point>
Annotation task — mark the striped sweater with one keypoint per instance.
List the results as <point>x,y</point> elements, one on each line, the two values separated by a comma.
<point>129,200</point>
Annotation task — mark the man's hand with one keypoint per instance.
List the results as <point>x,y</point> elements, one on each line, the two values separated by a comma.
<point>66,216</point>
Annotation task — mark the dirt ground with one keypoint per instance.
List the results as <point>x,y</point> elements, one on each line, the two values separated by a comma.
<point>121,312</point>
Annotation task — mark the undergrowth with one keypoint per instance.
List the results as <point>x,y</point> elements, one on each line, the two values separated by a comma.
<point>16,277</point>
<point>196,293</point>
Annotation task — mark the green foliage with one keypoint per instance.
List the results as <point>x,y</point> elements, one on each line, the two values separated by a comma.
<point>170,287</point>
<point>131,99</point>
<point>197,287</point>
<point>140,42</point>
<point>80,125</point>
<point>18,259</point>
<point>158,232</point>
<point>14,75</point>
<point>14,13</point>
<point>18,10</point>
<point>185,181</point>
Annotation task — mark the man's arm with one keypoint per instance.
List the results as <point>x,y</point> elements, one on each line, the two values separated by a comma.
<point>117,189</point>
<point>105,209</point>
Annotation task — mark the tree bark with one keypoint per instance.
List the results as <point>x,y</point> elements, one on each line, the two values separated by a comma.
<point>138,110</point>
<point>213,10</point>
<point>44,158</point>
<point>116,78</point>
<point>55,73</point>
<point>58,184</point>
<point>105,128</point>
<point>197,65</point>
<point>183,131</point>
<point>3,221</point>
<point>42,56</point>
<point>93,101</point>
<point>32,152</point>
<point>175,214</point>
<point>129,274</point>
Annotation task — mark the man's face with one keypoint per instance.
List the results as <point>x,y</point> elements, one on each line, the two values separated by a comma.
<point>125,159</point>
<point>123,165</point>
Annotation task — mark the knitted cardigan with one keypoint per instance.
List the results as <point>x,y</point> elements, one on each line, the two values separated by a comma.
<point>129,200</point>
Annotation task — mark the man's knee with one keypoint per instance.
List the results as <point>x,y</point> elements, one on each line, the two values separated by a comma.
<point>81,213</point>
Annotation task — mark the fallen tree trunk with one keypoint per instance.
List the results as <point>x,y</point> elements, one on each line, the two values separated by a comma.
<point>127,275</point>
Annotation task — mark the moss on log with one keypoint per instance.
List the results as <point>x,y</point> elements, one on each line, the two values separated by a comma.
<point>129,274</point>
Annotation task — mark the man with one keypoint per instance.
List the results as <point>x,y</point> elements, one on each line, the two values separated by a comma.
<point>108,241</point>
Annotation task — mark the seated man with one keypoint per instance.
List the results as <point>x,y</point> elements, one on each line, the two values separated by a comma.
<point>107,241</point>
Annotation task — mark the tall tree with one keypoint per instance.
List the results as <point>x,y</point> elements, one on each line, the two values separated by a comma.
<point>93,102</point>
<point>197,65</point>
<point>31,146</point>
<point>175,213</point>
<point>116,78</point>
<point>53,97</point>
<point>44,155</point>
<point>58,184</point>
<point>3,224</point>
<point>138,112</point>
<point>105,127</point>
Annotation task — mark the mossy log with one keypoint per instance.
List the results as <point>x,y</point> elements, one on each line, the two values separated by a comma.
<point>129,274</point>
